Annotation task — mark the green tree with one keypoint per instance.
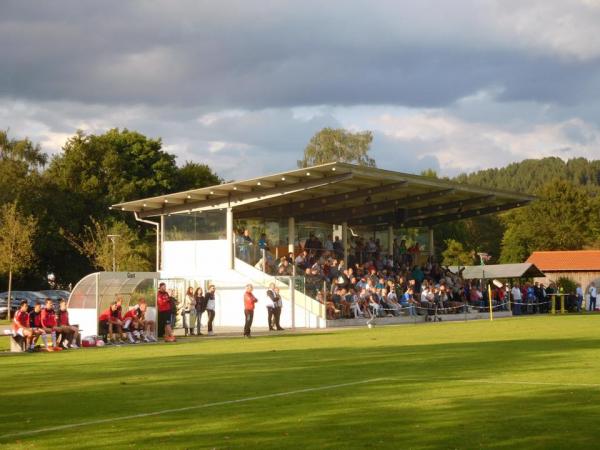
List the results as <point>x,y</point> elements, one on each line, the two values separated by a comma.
<point>193,175</point>
<point>564,218</point>
<point>330,145</point>
<point>16,242</point>
<point>456,255</point>
<point>100,242</point>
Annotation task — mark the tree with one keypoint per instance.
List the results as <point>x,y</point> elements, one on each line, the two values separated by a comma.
<point>16,242</point>
<point>96,244</point>
<point>193,175</point>
<point>331,145</point>
<point>456,255</point>
<point>564,218</point>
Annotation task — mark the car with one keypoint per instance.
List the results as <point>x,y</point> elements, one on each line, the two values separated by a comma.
<point>56,294</point>
<point>16,297</point>
<point>3,308</point>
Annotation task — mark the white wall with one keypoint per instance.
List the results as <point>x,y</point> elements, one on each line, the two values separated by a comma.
<point>189,259</point>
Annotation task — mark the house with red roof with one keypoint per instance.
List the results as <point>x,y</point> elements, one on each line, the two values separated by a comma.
<point>582,266</point>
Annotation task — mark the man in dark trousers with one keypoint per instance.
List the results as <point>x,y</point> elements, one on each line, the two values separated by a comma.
<point>271,306</point>
<point>278,303</point>
<point>249,302</point>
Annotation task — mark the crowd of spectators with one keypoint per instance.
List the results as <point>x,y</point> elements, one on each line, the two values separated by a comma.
<point>376,283</point>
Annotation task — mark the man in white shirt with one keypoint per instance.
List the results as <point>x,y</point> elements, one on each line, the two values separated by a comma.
<point>593,294</point>
<point>517,298</point>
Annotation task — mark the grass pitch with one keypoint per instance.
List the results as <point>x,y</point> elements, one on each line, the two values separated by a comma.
<point>513,383</point>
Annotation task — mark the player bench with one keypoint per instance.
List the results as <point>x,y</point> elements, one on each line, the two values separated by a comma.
<point>17,343</point>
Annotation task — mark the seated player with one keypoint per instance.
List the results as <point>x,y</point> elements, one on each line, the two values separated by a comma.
<point>35,323</point>
<point>20,325</point>
<point>110,323</point>
<point>70,332</point>
<point>147,326</point>
<point>131,324</point>
<point>49,323</point>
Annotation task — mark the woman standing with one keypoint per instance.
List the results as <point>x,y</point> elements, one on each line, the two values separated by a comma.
<point>210,307</point>
<point>189,312</point>
<point>200,308</point>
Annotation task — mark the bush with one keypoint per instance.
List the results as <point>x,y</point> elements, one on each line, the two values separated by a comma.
<point>568,285</point>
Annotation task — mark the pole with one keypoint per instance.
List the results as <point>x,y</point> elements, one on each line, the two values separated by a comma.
<point>291,236</point>
<point>230,264</point>
<point>490,302</point>
<point>8,302</point>
<point>345,242</point>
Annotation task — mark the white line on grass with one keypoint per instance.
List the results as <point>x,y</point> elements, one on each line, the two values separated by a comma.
<point>186,408</point>
<point>529,383</point>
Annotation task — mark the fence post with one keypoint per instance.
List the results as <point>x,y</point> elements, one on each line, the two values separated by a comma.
<point>293,301</point>
<point>553,304</point>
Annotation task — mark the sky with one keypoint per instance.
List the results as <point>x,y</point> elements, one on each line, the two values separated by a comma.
<point>243,85</point>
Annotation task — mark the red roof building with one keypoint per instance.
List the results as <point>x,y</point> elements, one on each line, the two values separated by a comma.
<point>581,266</point>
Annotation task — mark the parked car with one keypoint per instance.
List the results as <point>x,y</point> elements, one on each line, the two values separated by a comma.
<point>16,297</point>
<point>56,294</point>
<point>3,308</point>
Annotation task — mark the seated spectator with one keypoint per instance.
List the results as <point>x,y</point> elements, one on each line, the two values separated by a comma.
<point>70,333</point>
<point>147,327</point>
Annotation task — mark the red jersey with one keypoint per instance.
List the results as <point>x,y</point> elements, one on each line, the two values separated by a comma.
<point>63,318</point>
<point>249,301</point>
<point>21,320</point>
<point>48,318</point>
<point>162,301</point>
<point>133,314</point>
<point>106,314</point>
<point>35,319</point>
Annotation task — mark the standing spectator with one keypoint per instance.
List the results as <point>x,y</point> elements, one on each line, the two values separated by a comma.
<point>165,315</point>
<point>517,297</point>
<point>579,294</point>
<point>277,310</point>
<point>189,312</point>
<point>210,307</point>
<point>246,246</point>
<point>200,300</point>
<point>593,294</point>
<point>249,302</point>
<point>271,306</point>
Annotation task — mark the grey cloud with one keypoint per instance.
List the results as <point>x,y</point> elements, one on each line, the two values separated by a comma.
<point>253,55</point>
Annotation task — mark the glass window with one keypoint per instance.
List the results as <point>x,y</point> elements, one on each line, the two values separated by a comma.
<point>196,226</point>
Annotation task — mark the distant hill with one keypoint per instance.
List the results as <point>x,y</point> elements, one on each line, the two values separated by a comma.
<point>529,175</point>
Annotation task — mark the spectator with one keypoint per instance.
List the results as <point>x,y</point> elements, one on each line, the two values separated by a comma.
<point>189,312</point>
<point>579,294</point>
<point>271,306</point>
<point>210,308</point>
<point>593,292</point>
<point>249,303</point>
<point>200,305</point>
<point>148,326</point>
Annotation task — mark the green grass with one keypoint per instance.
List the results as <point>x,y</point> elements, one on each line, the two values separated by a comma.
<point>447,385</point>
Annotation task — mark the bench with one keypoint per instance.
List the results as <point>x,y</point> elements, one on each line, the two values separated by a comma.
<point>17,343</point>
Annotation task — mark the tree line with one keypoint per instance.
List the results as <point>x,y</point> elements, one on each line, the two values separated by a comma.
<point>59,204</point>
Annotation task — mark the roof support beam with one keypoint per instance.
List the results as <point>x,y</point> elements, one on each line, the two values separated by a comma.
<point>339,215</point>
<point>393,218</point>
<point>299,208</point>
<point>236,196</point>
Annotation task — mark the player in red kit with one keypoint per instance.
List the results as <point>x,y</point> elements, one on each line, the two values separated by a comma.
<point>49,323</point>
<point>69,332</point>
<point>20,325</point>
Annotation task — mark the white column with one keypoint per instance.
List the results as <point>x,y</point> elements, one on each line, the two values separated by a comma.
<point>345,242</point>
<point>391,240</point>
<point>162,241</point>
<point>291,242</point>
<point>230,242</point>
<point>291,234</point>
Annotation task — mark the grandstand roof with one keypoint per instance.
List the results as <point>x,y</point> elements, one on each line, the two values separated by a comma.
<point>339,192</point>
<point>570,260</point>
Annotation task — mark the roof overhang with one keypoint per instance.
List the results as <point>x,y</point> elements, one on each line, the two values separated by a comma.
<point>337,193</point>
